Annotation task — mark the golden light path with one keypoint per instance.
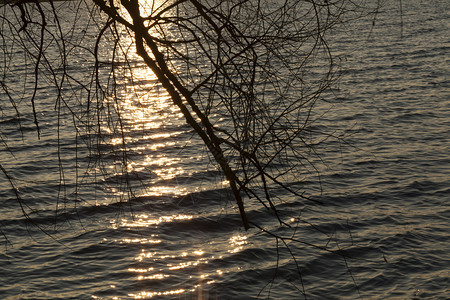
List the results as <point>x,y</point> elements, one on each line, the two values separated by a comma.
<point>166,265</point>
<point>144,107</point>
<point>147,108</point>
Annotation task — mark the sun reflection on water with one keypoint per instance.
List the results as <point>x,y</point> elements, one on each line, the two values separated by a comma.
<point>140,241</point>
<point>148,295</point>
<point>166,190</point>
<point>156,265</point>
<point>237,242</point>
<point>153,124</point>
<point>141,119</point>
<point>194,259</point>
<point>143,255</point>
<point>144,220</point>
<point>140,270</point>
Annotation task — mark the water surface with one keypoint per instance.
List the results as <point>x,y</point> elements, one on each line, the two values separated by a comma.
<point>385,195</point>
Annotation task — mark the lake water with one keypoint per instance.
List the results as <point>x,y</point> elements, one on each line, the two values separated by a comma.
<point>385,195</point>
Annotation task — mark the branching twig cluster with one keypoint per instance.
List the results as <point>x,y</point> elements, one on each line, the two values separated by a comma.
<point>245,74</point>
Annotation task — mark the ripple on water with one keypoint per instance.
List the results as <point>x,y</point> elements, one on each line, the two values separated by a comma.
<point>380,232</point>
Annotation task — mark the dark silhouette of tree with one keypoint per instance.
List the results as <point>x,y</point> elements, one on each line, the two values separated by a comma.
<point>245,74</point>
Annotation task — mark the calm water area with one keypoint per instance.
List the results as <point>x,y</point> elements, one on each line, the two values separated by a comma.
<point>385,190</point>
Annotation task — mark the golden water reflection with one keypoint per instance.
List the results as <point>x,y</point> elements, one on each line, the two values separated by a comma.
<point>168,270</point>
<point>140,241</point>
<point>237,242</point>
<point>156,264</point>
<point>192,265</point>
<point>141,118</point>
<point>147,295</point>
<point>151,125</point>
<point>144,220</point>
